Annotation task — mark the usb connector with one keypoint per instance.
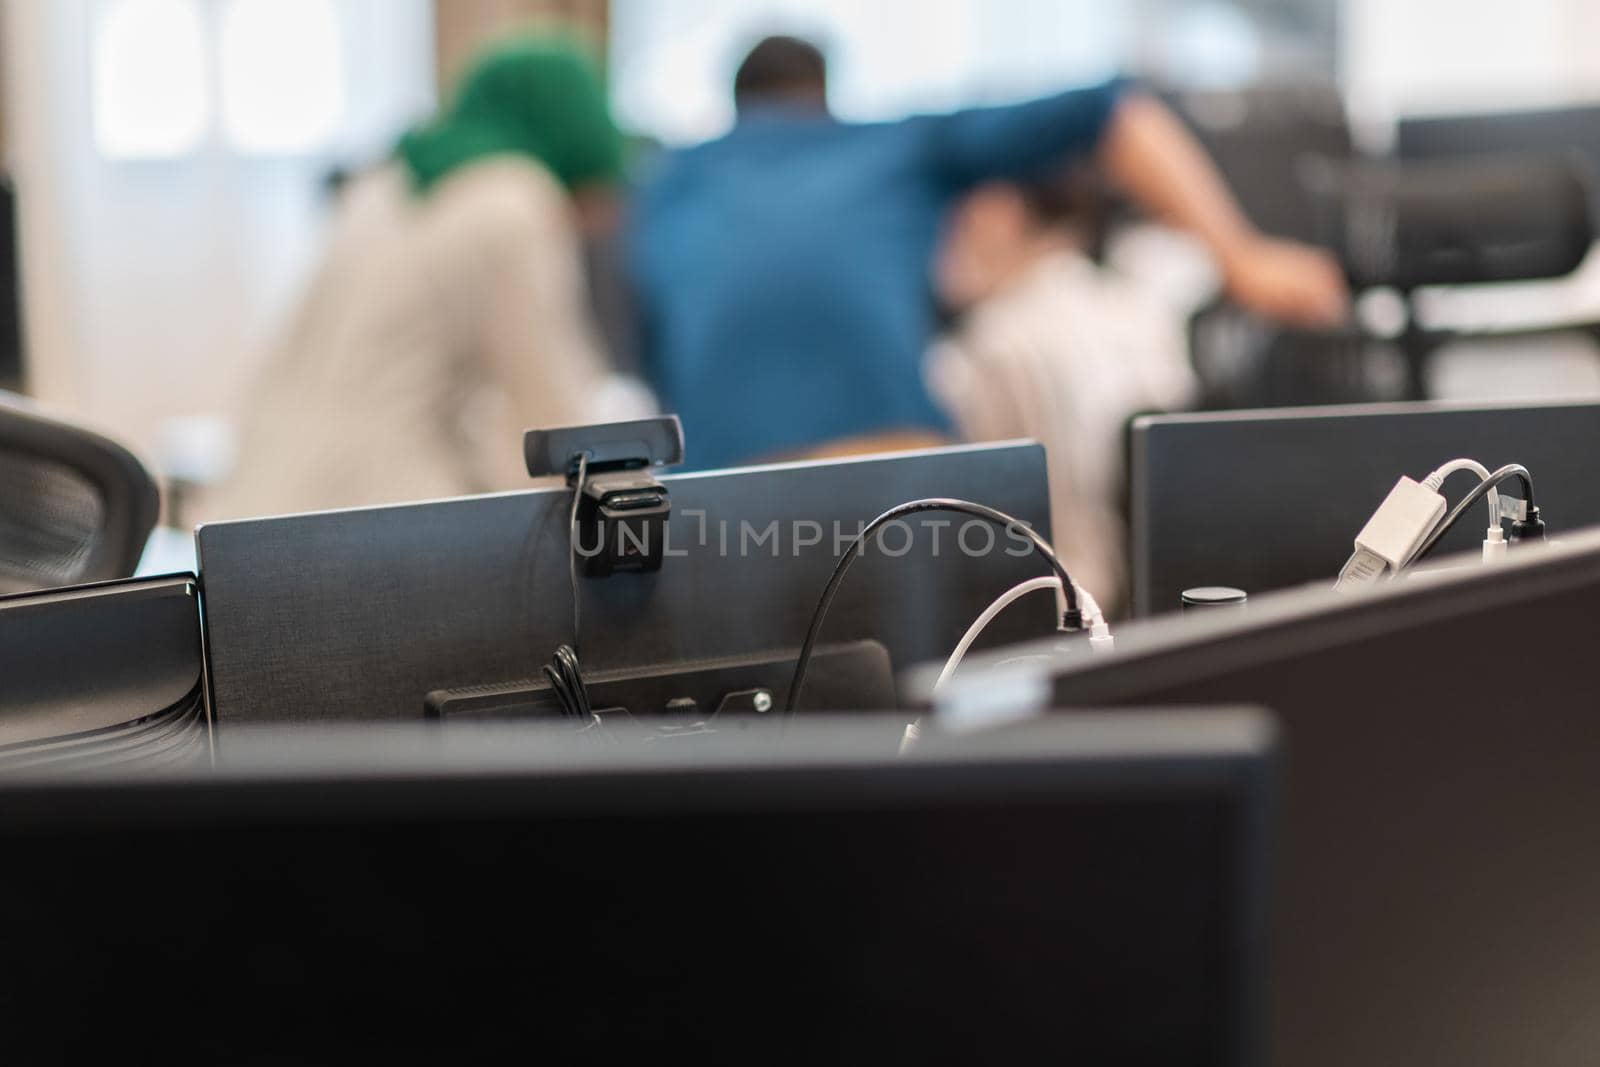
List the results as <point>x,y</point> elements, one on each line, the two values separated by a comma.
<point>1362,568</point>
<point>1402,522</point>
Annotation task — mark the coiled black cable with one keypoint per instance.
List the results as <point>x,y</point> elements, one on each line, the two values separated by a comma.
<point>566,680</point>
<point>563,672</point>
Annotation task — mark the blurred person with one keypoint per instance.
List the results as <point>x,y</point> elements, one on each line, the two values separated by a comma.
<point>449,312</point>
<point>783,270</point>
<point>1053,347</point>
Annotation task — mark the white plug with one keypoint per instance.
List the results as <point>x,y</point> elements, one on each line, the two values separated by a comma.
<point>1402,522</point>
<point>1495,545</point>
<point>1100,639</point>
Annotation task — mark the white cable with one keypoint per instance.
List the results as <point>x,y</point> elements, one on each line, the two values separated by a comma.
<point>912,735</point>
<point>1495,534</point>
<point>1005,600</point>
<point>1099,633</point>
<point>1100,639</point>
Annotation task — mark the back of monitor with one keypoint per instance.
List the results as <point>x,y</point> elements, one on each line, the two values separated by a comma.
<point>1263,500</point>
<point>360,614</point>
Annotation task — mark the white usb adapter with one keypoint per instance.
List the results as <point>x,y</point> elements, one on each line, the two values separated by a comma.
<point>1402,522</point>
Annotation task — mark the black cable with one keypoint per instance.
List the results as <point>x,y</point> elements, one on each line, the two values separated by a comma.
<point>566,681</point>
<point>563,672</point>
<point>1071,620</point>
<point>1481,490</point>
<point>572,544</point>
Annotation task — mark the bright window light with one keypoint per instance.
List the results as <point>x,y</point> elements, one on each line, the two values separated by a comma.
<point>282,75</point>
<point>149,79</point>
<point>672,61</point>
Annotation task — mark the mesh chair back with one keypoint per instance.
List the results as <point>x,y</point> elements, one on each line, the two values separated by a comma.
<point>75,507</point>
<point>1460,222</point>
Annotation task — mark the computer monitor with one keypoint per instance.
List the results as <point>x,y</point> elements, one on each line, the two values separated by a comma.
<point>102,675</point>
<point>362,614</point>
<point>1077,891</point>
<point>1262,500</point>
<point>1434,902</point>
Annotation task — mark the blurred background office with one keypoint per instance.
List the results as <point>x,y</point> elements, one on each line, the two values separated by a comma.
<point>175,165</point>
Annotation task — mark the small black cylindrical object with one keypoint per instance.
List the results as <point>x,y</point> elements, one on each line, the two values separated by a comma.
<point>1213,596</point>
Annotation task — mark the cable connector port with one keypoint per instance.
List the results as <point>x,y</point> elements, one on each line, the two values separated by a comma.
<point>1362,568</point>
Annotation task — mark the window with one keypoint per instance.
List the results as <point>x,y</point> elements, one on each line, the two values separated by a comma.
<point>149,79</point>
<point>673,60</point>
<point>278,76</point>
<point>281,72</point>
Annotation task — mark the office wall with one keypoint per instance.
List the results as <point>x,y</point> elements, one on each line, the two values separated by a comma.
<point>1436,56</point>
<point>460,26</point>
<point>155,284</point>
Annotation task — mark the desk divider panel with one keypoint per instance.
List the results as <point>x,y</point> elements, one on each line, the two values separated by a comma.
<point>359,614</point>
<point>1265,500</point>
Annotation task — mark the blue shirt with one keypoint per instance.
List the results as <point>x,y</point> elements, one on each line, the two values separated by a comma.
<point>783,271</point>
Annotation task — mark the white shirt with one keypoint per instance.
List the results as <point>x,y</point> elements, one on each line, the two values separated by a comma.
<point>1067,355</point>
<point>435,331</point>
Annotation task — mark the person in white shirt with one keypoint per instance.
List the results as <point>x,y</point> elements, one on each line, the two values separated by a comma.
<point>449,312</point>
<point>1053,347</point>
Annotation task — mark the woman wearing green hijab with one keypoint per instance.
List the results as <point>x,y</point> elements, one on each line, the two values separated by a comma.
<point>538,98</point>
<point>449,312</point>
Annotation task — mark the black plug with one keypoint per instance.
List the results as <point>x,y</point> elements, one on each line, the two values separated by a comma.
<point>1530,528</point>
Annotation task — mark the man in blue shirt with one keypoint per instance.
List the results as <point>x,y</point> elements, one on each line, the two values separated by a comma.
<point>783,271</point>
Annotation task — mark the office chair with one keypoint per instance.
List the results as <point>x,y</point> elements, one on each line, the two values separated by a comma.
<point>1403,226</point>
<point>1455,222</point>
<point>1259,138</point>
<point>1536,132</point>
<point>75,507</point>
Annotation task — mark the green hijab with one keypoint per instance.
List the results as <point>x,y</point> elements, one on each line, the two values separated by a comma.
<point>536,97</point>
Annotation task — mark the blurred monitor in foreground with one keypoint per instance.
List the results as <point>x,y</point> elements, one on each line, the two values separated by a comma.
<point>1073,890</point>
<point>1434,901</point>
